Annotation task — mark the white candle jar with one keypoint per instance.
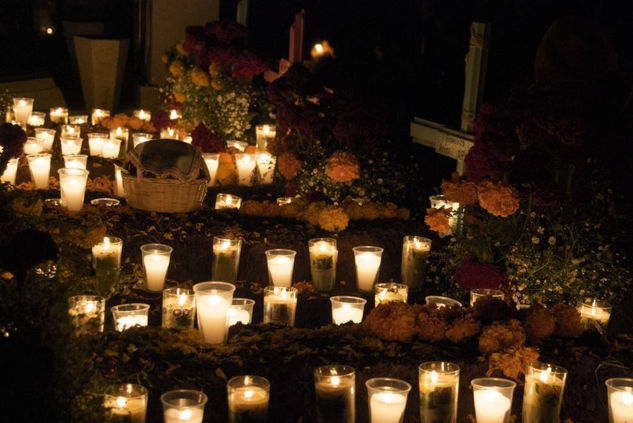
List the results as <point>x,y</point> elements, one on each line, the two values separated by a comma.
<point>237,145</point>
<point>241,311</point>
<point>245,167</point>
<point>106,261</point>
<point>347,309</point>
<point>95,143</point>
<point>266,168</point>
<point>141,137</point>
<point>415,253</point>
<point>129,315</point>
<point>264,134</point>
<point>156,259</point>
<point>493,399</point>
<point>58,115</point>
<point>390,292</point>
<point>126,403</point>
<point>70,131</point>
<point>121,133</point>
<point>110,148</point>
<point>478,293</point>
<point>97,115</point>
<point>280,305</point>
<point>441,301</point>
<point>367,259</point>
<point>387,399</point>
<point>22,109</point>
<point>40,167</point>
<point>143,115</point>
<point>439,390</point>
<point>227,201</point>
<point>72,185</point>
<point>595,314</point>
<point>32,146</point>
<point>37,119</point>
<point>87,313</point>
<point>71,145</point>
<point>10,172</point>
<point>45,137</point>
<point>335,387</point>
<point>75,161</point>
<point>183,406</point>
<point>226,259</point>
<point>280,266</point>
<point>543,392</point>
<point>118,178</point>
<point>212,161</point>
<point>248,398</point>
<point>213,300</point>
<point>179,308</point>
<point>620,398</point>
<point>78,119</point>
<point>323,259</point>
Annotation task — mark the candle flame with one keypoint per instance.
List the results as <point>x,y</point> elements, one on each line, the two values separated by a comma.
<point>185,415</point>
<point>323,247</point>
<point>173,115</point>
<point>248,394</point>
<point>266,129</point>
<point>318,47</point>
<point>182,298</point>
<point>171,131</point>
<point>90,307</point>
<point>229,199</point>
<point>433,376</point>
<point>226,244</point>
<point>22,103</point>
<point>121,402</point>
<point>546,374</point>
<point>627,399</point>
<point>119,131</point>
<point>335,381</point>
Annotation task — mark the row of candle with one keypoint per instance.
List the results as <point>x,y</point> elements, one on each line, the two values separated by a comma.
<point>249,165</point>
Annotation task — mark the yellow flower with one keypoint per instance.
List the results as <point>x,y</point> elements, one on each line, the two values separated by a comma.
<point>179,97</point>
<point>215,70</point>
<point>217,84</point>
<point>460,191</point>
<point>177,69</point>
<point>437,220</point>
<point>181,50</point>
<point>333,219</point>
<point>199,77</point>
<point>497,198</point>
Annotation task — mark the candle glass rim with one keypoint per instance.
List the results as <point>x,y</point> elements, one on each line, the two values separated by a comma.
<point>449,300</point>
<point>45,130</point>
<point>38,155</point>
<point>113,240</point>
<point>540,367</point>
<point>242,302</point>
<point>330,241</point>
<point>156,248</point>
<point>184,394</point>
<point>275,290</point>
<point>270,125</point>
<point>98,135</point>
<point>114,140</point>
<point>485,292</point>
<point>596,303</point>
<point>122,128</point>
<point>75,156</point>
<point>620,384</point>
<point>213,288</point>
<point>387,384</point>
<point>72,171</point>
<point>178,291</point>
<point>233,241</point>
<point>498,383</point>
<point>368,249</point>
<point>87,297</point>
<point>105,201</point>
<point>130,307</point>
<point>442,368</point>
<point>59,109</point>
<point>211,156</point>
<point>258,381</point>
<point>420,238</point>
<point>343,299</point>
<point>121,390</point>
<point>282,252</point>
<point>342,371</point>
<point>27,99</point>
<point>388,285</point>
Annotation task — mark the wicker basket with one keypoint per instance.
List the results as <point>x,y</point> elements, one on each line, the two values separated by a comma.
<point>164,195</point>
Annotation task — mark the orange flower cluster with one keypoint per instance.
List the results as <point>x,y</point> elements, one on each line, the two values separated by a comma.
<point>121,120</point>
<point>437,219</point>
<point>497,198</point>
<point>288,165</point>
<point>460,191</point>
<point>342,167</point>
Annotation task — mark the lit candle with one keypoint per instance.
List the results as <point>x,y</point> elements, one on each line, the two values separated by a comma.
<point>78,119</point>
<point>213,300</point>
<point>323,257</point>
<point>121,133</point>
<point>227,201</point>
<point>367,260</point>
<point>595,314</point>
<point>70,131</point>
<point>280,305</point>
<point>543,393</point>
<point>178,308</point>
<point>493,399</point>
<point>75,161</point>
<point>183,405</point>
<point>476,294</point>
<point>335,399</point>
<point>387,399</point>
<point>264,134</point>
<point>390,292</point>
<point>40,167</point>
<point>226,259</point>
<point>45,137</point>
<point>169,134</point>
<point>37,119</point>
<point>140,138</point>
<point>241,311</point>
<point>440,301</point>
<point>129,315</point>
<point>345,309</point>
<point>95,143</point>
<point>439,390</point>
<point>212,161</point>
<point>72,184</point>
<point>110,148</point>
<point>282,201</point>
<point>620,395</point>
<point>22,109</point>
<point>126,403</point>
<point>58,114</point>
<point>155,262</point>
<point>280,265</point>
<point>187,138</point>
<point>143,115</point>
<point>415,252</point>
<point>118,177</point>
<point>237,145</point>
<point>266,167</point>
<point>248,399</point>
<point>97,115</point>
<point>106,261</point>
<point>10,172</point>
<point>174,115</point>
<point>87,313</point>
<point>245,166</point>
<point>71,145</point>
<point>32,146</point>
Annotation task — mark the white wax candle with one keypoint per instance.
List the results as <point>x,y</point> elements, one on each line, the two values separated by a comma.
<point>40,167</point>
<point>22,110</point>
<point>212,166</point>
<point>156,266</point>
<point>72,191</point>
<point>32,146</point>
<point>95,143</point>
<point>9,173</point>
<point>59,115</point>
<point>280,268</point>
<point>238,315</point>
<point>387,407</point>
<point>110,148</point>
<point>621,406</point>
<point>345,313</point>
<point>71,162</point>
<point>212,318</point>
<point>128,321</point>
<point>189,415</point>
<point>97,115</point>
<point>143,115</point>
<point>71,145</point>
<point>266,167</point>
<point>598,314</point>
<point>45,138</point>
<point>37,119</point>
<point>367,265</point>
<point>491,406</point>
<point>245,167</point>
<point>131,410</point>
<point>253,399</point>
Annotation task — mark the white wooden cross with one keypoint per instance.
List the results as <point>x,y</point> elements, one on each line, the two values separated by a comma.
<point>449,142</point>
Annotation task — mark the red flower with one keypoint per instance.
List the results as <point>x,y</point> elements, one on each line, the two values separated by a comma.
<point>206,140</point>
<point>160,120</point>
<point>472,275</point>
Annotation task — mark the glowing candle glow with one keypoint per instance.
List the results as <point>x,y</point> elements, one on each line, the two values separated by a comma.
<point>620,395</point>
<point>237,145</point>
<point>212,161</point>
<point>245,166</point>
<point>335,394</point>
<point>439,390</point>
<point>280,265</point>
<point>183,406</point>
<point>126,403</point>
<point>476,294</point>
<point>97,115</point>
<point>129,315</point>
<point>155,262</point>
<point>169,134</point>
<point>280,305</point>
<point>37,119</point>
<point>439,202</point>
<point>40,167</point>
<point>440,301</point>
<point>241,311</point>
<point>389,292</point>
<point>140,138</point>
<point>493,399</point>
<point>387,399</point>
<point>415,252</point>
<point>345,309</point>
<point>248,399</point>
<point>595,314</point>
<point>32,146</point>
<point>78,119</point>
<point>95,143</point>
<point>266,167</point>
<point>118,177</point>
<point>367,260</point>
<point>323,258</point>
<point>72,184</point>
<point>70,131</point>
<point>226,259</point>
<point>58,115</point>
<point>143,115</point>
<point>87,313</point>
<point>75,161</point>
<point>213,300</point>
<point>227,201</point>
<point>106,261</point>
<point>179,308</point>
<point>45,137</point>
<point>10,172</point>
<point>110,148</point>
<point>543,393</point>
<point>264,134</point>
<point>174,115</point>
<point>22,109</point>
<point>71,145</point>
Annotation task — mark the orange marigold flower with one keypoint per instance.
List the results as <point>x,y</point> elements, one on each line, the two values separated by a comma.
<point>497,198</point>
<point>288,165</point>
<point>437,219</point>
<point>181,50</point>
<point>179,97</point>
<point>342,167</point>
<point>458,190</point>
<point>135,123</point>
<point>199,77</point>
<point>177,68</point>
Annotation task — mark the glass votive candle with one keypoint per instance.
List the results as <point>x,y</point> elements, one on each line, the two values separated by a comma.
<point>40,168</point>
<point>213,300</point>
<point>95,142</point>
<point>141,137</point>
<point>212,161</point>
<point>106,261</point>
<point>620,398</point>
<point>439,202</point>
<point>335,387</point>
<point>71,145</point>
<point>245,167</point>
<point>266,167</point>
<point>476,294</point>
<point>70,131</point>
<point>169,134</point>
<point>121,133</point>
<point>248,399</point>
<point>264,134</point>
<point>75,161</point>
<point>129,315</point>
<point>595,314</point>
<point>72,185</point>
<point>241,311</point>
<point>45,137</point>
<point>10,172</point>
<point>87,313</point>
<point>387,399</point>
<point>110,148</point>
<point>280,266</point>
<point>58,114</point>
<point>22,109</point>
<point>97,115</point>
<point>238,145</point>
<point>440,301</point>
<point>78,119</point>
<point>346,309</point>
<point>390,291</point>
<point>323,258</point>
<point>118,179</point>
<point>280,305</point>
<point>126,403</point>
<point>37,119</point>
<point>179,308</point>
<point>415,253</point>
<point>439,389</point>
<point>32,146</point>
<point>367,260</point>
<point>183,406</point>
<point>156,259</point>
<point>493,399</point>
<point>174,115</point>
<point>543,392</point>
<point>143,115</point>
<point>227,201</point>
<point>226,259</point>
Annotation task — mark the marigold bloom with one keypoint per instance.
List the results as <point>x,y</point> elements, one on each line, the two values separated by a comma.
<point>333,219</point>
<point>437,219</point>
<point>288,165</point>
<point>176,68</point>
<point>463,192</point>
<point>179,97</point>
<point>199,77</point>
<point>342,167</point>
<point>497,198</point>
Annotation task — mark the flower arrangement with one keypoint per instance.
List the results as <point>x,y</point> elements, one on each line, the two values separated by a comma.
<point>210,80</point>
